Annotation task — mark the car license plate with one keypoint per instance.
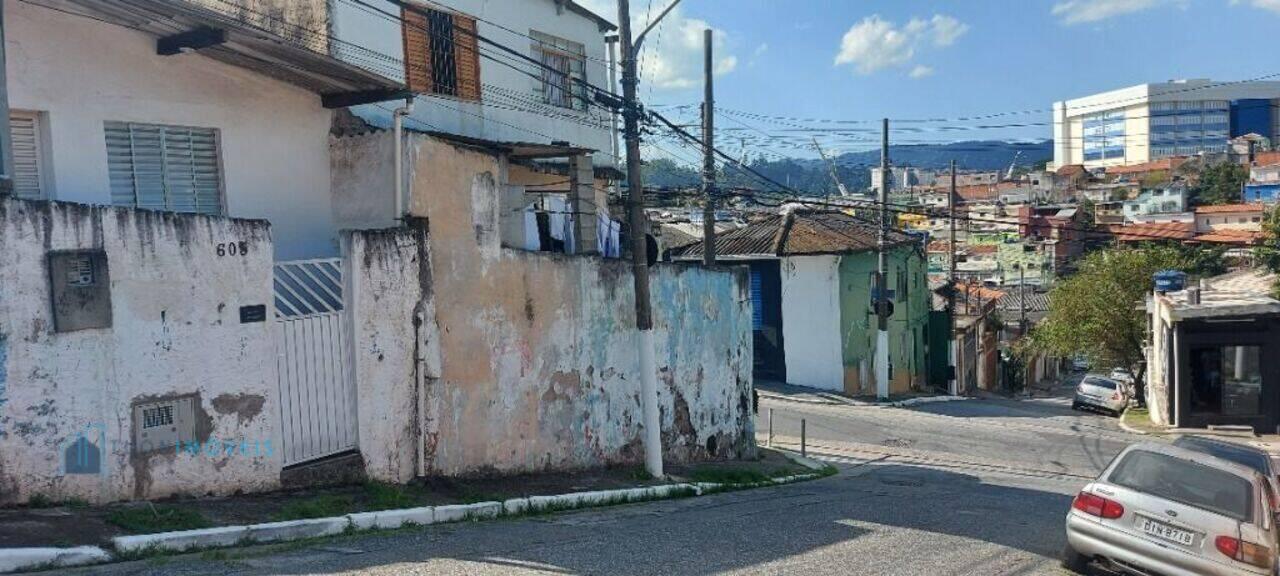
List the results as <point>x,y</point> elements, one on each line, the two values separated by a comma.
<point>1167,532</point>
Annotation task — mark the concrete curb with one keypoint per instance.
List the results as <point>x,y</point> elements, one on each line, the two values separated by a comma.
<point>803,461</point>
<point>803,400</point>
<point>1128,428</point>
<point>924,400</point>
<point>14,559</point>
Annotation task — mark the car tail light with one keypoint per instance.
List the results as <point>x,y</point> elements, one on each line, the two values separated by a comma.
<point>1246,552</point>
<point>1095,505</point>
<point>1115,395</point>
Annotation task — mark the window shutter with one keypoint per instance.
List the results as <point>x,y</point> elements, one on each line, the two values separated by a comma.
<point>27,169</point>
<point>466,57</point>
<point>417,52</point>
<point>164,167</point>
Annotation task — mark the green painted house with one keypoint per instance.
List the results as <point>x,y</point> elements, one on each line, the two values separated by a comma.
<point>811,276</point>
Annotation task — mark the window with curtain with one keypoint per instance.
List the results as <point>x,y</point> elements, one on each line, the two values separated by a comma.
<point>159,167</point>
<point>563,74</point>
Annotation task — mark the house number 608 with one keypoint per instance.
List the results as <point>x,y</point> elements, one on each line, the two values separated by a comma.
<point>233,248</point>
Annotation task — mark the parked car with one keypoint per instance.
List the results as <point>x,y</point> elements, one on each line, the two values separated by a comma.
<point>1254,457</point>
<point>1161,509</point>
<point>1101,393</point>
<point>1121,375</point>
<point>1079,364</point>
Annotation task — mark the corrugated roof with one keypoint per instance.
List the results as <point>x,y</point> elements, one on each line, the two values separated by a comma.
<point>1154,231</point>
<point>1221,208</point>
<point>1240,237</point>
<point>798,233</point>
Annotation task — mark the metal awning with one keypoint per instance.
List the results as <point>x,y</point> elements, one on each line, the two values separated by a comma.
<point>240,33</point>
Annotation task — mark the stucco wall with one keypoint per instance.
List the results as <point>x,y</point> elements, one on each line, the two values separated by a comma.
<point>387,271</point>
<point>176,330</point>
<point>79,73</point>
<point>907,326</point>
<point>811,321</point>
<point>538,355</point>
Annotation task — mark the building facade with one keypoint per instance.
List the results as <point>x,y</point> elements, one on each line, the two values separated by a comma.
<point>1153,121</point>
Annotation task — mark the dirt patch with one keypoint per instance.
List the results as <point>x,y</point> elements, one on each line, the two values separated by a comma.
<point>246,407</point>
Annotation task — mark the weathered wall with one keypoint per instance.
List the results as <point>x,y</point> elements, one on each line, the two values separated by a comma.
<point>175,331</point>
<point>811,321</point>
<point>537,351</point>
<point>78,74</point>
<point>302,22</point>
<point>907,326</point>
<point>386,272</point>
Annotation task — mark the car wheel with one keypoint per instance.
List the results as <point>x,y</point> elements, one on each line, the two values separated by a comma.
<point>1074,561</point>
<point>1075,405</point>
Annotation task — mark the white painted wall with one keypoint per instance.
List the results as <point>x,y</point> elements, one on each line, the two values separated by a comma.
<point>81,73</point>
<point>811,321</point>
<point>496,117</point>
<point>175,331</point>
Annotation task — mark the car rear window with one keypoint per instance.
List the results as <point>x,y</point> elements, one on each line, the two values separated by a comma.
<point>1186,482</point>
<point>1099,382</point>
<point>1241,456</point>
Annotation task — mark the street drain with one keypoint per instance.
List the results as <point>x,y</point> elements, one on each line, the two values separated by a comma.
<point>898,443</point>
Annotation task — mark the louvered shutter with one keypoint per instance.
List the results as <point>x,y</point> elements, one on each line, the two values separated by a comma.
<point>164,167</point>
<point>466,57</point>
<point>417,52</point>
<point>28,180</point>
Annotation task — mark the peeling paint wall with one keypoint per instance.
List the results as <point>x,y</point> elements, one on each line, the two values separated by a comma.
<point>532,361</point>
<point>175,332</point>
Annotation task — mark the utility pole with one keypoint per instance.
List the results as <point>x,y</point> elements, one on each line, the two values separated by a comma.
<point>6,142</point>
<point>882,301</point>
<point>952,353</point>
<point>652,429</point>
<point>708,157</point>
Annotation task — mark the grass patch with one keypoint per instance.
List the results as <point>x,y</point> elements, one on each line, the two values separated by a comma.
<point>150,519</point>
<point>1140,419</point>
<point>384,496</point>
<point>315,507</point>
<point>728,476</point>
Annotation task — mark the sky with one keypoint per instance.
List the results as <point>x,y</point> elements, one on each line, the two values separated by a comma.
<point>913,59</point>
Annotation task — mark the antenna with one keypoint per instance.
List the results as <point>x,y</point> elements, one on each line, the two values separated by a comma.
<point>831,167</point>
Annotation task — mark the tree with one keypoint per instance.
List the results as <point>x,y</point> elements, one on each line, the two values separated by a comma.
<point>1097,312</point>
<point>1220,184</point>
<point>1268,253</point>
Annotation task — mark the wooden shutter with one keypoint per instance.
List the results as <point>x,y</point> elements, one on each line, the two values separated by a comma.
<point>28,176</point>
<point>417,52</point>
<point>466,57</point>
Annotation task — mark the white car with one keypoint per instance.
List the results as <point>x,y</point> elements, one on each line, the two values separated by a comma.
<point>1160,509</point>
<point>1121,375</point>
<point>1102,393</point>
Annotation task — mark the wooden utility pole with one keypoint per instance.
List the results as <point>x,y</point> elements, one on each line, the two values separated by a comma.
<point>708,156</point>
<point>882,301</point>
<point>952,351</point>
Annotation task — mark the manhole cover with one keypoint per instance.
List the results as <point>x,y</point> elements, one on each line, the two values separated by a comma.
<point>898,443</point>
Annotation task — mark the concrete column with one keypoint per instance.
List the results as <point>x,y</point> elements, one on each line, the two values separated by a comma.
<point>6,140</point>
<point>582,199</point>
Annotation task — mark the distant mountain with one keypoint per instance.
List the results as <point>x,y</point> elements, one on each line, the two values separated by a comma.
<point>975,155</point>
<point>854,168</point>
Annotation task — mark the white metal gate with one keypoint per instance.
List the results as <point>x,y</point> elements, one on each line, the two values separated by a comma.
<point>317,388</point>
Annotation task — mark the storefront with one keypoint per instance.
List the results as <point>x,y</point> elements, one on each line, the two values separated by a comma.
<point>1211,358</point>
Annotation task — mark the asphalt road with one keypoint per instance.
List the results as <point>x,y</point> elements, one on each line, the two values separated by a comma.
<point>970,487</point>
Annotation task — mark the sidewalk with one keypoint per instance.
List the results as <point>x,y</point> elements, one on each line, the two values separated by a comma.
<point>55,529</point>
<point>806,395</point>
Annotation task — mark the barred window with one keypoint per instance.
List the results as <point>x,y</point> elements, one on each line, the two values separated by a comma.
<point>441,53</point>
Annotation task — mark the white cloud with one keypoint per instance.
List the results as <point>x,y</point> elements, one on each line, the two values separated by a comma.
<point>921,71</point>
<point>875,44</point>
<point>671,58</point>
<point>1082,11</point>
<point>1272,5</point>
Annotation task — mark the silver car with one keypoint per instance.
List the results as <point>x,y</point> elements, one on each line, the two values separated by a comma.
<point>1100,392</point>
<point>1160,509</point>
